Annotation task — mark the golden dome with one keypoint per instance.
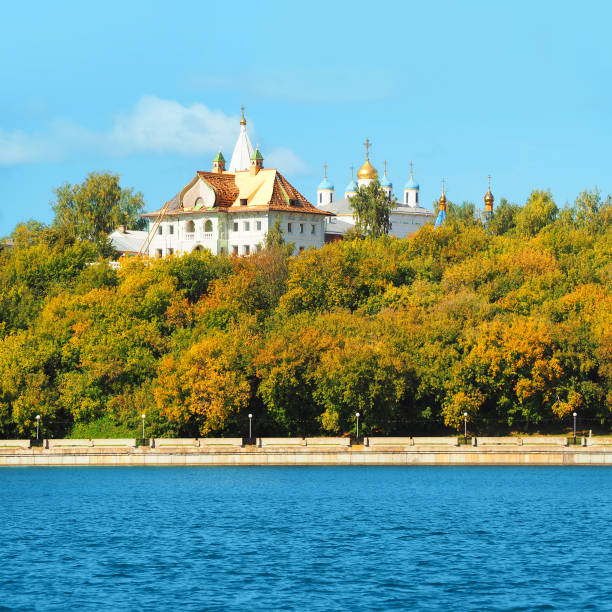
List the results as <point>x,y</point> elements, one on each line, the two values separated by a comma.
<point>367,171</point>
<point>489,199</point>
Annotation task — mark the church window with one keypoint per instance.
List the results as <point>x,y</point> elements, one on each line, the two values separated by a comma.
<point>320,198</point>
<point>313,229</point>
<point>208,226</point>
<point>235,250</point>
<point>406,198</point>
<point>171,229</point>
<point>288,228</point>
<point>160,230</point>
<point>417,197</point>
<point>243,201</point>
<point>235,226</point>
<point>170,251</point>
<point>190,227</point>
<point>247,249</point>
<point>158,252</point>
<point>247,226</point>
<point>301,249</point>
<point>258,225</point>
<point>301,228</point>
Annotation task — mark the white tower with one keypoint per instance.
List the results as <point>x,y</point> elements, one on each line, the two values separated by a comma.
<point>386,184</point>
<point>411,191</point>
<point>367,173</point>
<point>325,192</point>
<point>241,157</point>
<point>351,188</point>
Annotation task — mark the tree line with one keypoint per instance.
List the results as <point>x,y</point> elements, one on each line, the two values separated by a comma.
<point>510,321</point>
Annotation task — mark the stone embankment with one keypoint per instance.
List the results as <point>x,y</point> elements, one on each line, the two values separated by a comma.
<point>309,451</point>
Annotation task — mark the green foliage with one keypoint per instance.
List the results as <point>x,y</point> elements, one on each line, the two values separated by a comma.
<point>93,209</point>
<point>510,322</point>
<point>371,208</point>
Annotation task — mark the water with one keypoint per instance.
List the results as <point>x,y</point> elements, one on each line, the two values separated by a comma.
<point>346,538</point>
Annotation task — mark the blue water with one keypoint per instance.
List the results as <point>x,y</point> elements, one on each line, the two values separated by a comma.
<point>379,538</point>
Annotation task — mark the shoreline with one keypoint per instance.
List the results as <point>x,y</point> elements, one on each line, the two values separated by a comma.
<point>254,456</point>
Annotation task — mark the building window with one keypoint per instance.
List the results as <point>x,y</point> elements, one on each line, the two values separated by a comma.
<point>257,248</point>
<point>417,197</point>
<point>158,252</point>
<point>390,225</point>
<point>171,229</point>
<point>208,226</point>
<point>190,227</point>
<point>313,229</point>
<point>288,228</point>
<point>332,219</point>
<point>258,225</point>
<point>235,250</point>
<point>301,249</point>
<point>243,201</point>
<point>247,226</point>
<point>170,251</point>
<point>235,226</point>
<point>320,198</point>
<point>160,230</point>
<point>301,228</point>
<point>247,249</point>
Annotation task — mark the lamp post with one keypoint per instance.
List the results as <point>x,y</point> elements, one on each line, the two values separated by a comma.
<point>144,416</point>
<point>465,426</point>
<point>357,415</point>
<point>575,415</point>
<point>37,425</point>
<point>250,426</point>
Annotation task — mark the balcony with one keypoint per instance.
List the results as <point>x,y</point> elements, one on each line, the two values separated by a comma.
<point>189,235</point>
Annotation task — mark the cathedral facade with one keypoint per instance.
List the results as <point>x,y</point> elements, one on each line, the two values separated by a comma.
<point>231,210</point>
<point>405,219</point>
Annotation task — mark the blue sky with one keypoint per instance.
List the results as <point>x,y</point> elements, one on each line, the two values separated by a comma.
<point>150,90</point>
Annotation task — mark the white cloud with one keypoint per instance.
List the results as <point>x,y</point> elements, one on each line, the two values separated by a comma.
<point>154,126</point>
<point>166,126</point>
<point>286,161</point>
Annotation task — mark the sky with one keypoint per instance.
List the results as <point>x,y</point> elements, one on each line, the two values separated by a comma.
<point>150,91</point>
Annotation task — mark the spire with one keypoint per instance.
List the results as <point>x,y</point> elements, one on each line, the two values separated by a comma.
<point>386,183</point>
<point>325,183</point>
<point>256,161</point>
<point>352,187</point>
<point>367,172</point>
<point>218,162</point>
<point>441,218</point>
<point>243,150</point>
<point>411,168</point>
<point>489,199</point>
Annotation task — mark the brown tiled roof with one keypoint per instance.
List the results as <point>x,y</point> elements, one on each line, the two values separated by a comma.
<point>224,185</point>
<point>285,197</point>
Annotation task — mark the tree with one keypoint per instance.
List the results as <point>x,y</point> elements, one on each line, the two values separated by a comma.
<point>371,207</point>
<point>539,211</point>
<point>91,210</point>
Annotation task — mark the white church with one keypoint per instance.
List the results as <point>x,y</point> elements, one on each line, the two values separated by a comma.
<point>405,219</point>
<point>229,211</point>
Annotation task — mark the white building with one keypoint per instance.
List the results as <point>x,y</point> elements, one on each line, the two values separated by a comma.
<point>406,218</point>
<point>230,211</point>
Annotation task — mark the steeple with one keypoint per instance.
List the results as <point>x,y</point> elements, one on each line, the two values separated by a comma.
<point>441,218</point>
<point>385,183</point>
<point>325,192</point>
<point>243,150</point>
<point>367,173</point>
<point>411,190</point>
<point>352,187</point>
<point>256,161</point>
<point>218,163</point>
<point>489,199</point>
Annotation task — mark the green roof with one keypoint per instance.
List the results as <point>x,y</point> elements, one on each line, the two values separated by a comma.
<point>257,155</point>
<point>219,157</point>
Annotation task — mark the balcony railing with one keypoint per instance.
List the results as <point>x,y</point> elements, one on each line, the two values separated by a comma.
<point>189,235</point>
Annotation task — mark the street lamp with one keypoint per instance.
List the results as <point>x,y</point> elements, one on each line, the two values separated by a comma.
<point>575,415</point>
<point>465,426</point>
<point>37,425</point>
<point>250,426</point>
<point>357,415</point>
<point>144,416</point>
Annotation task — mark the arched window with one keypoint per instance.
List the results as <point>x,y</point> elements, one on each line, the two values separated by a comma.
<point>208,228</point>
<point>190,227</point>
<point>198,203</point>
